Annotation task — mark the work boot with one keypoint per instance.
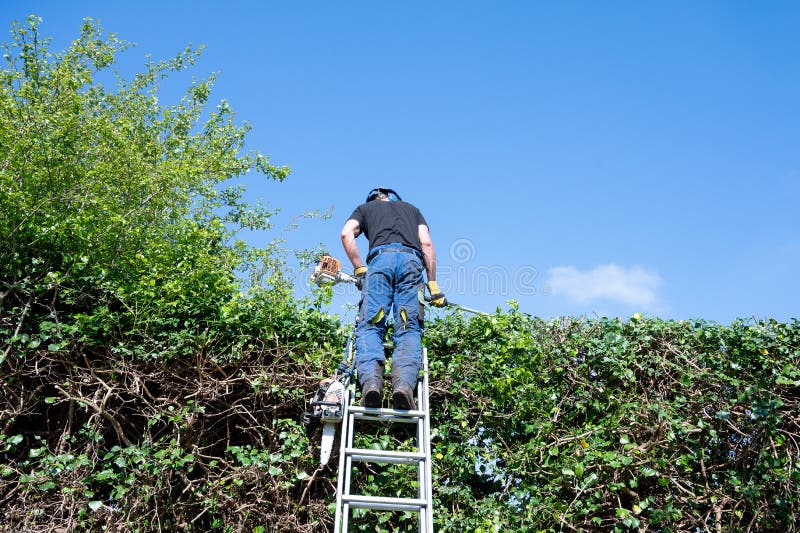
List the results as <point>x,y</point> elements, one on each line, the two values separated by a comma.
<point>372,393</point>
<point>403,397</point>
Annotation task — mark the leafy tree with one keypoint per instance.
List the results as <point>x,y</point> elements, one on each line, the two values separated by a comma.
<point>115,205</point>
<point>148,356</point>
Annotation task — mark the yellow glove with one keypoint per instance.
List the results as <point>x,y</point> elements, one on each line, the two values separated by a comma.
<point>361,275</point>
<point>437,296</point>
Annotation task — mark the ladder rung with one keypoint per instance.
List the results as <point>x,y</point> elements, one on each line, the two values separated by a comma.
<point>383,456</point>
<point>384,503</point>
<point>391,415</point>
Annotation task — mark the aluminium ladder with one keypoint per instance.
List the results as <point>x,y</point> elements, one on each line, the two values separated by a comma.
<point>423,504</point>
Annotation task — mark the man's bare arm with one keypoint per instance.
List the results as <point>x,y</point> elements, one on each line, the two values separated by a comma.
<point>350,231</point>
<point>428,251</point>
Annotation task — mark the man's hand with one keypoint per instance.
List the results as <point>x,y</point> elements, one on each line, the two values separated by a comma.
<point>437,296</point>
<point>361,275</point>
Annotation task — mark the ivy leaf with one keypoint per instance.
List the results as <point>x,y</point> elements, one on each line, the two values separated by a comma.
<point>95,505</point>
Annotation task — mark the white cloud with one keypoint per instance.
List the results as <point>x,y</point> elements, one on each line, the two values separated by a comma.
<point>635,286</point>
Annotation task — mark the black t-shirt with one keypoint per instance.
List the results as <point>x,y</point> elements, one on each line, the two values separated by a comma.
<point>389,222</point>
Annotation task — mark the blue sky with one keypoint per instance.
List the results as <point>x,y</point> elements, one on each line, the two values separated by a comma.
<point>583,158</point>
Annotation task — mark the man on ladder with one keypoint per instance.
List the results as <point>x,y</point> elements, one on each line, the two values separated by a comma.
<point>400,247</point>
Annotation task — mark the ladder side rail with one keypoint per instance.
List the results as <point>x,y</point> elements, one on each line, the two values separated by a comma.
<point>421,446</point>
<point>348,399</point>
<point>348,473</point>
<point>428,448</point>
<point>347,423</point>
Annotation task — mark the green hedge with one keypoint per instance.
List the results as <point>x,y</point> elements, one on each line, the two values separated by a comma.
<point>571,424</point>
<point>579,424</point>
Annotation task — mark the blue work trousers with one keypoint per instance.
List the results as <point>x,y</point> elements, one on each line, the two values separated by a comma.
<point>392,286</point>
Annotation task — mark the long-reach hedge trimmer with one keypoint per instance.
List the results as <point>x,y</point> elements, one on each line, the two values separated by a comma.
<point>329,272</point>
<point>328,404</point>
